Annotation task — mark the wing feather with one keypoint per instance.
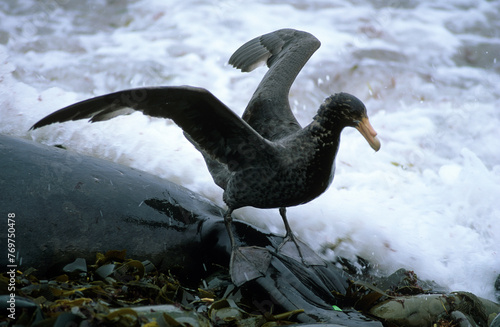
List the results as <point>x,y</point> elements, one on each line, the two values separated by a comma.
<point>217,130</point>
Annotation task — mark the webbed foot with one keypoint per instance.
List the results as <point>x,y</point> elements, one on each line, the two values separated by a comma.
<point>248,263</point>
<point>297,250</point>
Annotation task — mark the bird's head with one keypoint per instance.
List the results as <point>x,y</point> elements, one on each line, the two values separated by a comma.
<point>343,109</point>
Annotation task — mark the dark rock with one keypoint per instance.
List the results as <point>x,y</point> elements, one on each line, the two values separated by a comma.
<point>427,309</point>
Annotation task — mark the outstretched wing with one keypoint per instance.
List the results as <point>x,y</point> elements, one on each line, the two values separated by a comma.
<point>285,52</point>
<point>216,129</point>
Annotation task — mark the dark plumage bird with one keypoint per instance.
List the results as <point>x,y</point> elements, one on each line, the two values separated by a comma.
<point>264,159</point>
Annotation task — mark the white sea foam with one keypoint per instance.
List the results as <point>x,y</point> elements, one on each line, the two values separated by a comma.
<point>428,73</point>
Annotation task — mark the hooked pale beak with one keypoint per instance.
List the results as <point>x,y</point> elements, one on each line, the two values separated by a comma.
<point>366,129</point>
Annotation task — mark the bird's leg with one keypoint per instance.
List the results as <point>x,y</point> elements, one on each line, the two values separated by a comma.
<point>247,262</point>
<point>228,219</point>
<point>289,234</point>
<point>305,254</point>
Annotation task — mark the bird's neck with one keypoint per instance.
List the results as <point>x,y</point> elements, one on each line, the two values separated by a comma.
<point>322,147</point>
<point>325,131</point>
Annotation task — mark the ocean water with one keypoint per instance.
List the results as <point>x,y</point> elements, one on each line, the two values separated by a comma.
<point>428,72</point>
